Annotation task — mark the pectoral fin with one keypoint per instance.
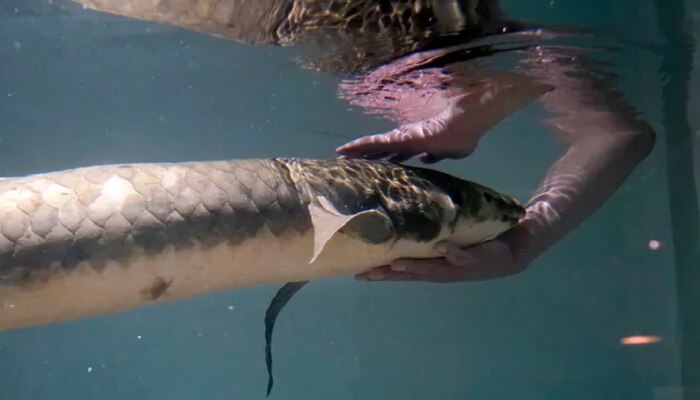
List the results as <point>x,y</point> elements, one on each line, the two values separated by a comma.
<point>372,226</point>
<point>284,294</point>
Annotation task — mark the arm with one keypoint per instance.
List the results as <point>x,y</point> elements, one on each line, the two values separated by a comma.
<point>605,142</point>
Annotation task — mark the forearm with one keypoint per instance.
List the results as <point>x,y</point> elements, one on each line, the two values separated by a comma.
<point>576,186</point>
<point>605,142</point>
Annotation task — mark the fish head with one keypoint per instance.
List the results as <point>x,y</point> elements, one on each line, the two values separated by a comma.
<point>478,213</point>
<point>483,214</point>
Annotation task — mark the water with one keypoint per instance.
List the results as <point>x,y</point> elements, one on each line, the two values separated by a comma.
<point>80,88</point>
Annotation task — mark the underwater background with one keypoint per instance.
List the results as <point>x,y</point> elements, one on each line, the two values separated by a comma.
<point>81,88</point>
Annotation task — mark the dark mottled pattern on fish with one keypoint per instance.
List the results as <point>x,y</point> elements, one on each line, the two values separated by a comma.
<point>357,185</point>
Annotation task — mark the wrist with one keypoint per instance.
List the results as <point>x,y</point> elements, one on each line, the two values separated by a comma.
<point>523,241</point>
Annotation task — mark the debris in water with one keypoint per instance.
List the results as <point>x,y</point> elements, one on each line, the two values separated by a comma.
<point>638,340</point>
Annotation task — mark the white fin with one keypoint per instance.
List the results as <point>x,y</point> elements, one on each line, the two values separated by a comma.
<point>327,220</point>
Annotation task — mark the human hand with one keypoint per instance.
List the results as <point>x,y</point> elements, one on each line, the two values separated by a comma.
<point>432,140</point>
<point>497,258</point>
<point>474,103</point>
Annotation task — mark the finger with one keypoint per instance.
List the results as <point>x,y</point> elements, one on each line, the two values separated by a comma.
<point>421,267</point>
<point>390,276</point>
<point>370,144</point>
<point>385,273</point>
<point>397,141</point>
<point>438,273</point>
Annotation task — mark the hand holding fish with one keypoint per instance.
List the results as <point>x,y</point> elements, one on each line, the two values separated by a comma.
<point>605,139</point>
<point>492,259</point>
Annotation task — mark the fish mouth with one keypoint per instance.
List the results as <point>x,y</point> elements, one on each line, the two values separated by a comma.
<point>520,210</point>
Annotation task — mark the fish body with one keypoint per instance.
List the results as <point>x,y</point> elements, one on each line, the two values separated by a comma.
<point>105,239</point>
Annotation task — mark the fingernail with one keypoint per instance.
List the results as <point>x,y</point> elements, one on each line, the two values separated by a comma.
<point>441,248</point>
<point>376,275</point>
<point>399,266</point>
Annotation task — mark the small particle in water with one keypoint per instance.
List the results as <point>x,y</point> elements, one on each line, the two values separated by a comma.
<point>332,342</point>
<point>18,45</point>
<point>200,334</point>
<point>231,308</point>
<point>190,86</point>
<point>148,30</point>
<point>103,366</point>
<point>638,340</point>
<point>138,337</point>
<point>89,370</point>
<point>654,244</point>
<point>9,95</point>
<point>161,118</point>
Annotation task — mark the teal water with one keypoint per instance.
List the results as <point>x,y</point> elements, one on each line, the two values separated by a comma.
<point>79,88</point>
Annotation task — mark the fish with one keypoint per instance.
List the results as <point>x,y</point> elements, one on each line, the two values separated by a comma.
<point>107,239</point>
